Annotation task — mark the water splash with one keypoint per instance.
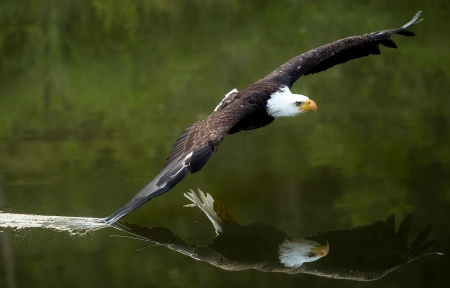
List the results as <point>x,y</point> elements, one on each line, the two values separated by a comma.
<point>59,223</point>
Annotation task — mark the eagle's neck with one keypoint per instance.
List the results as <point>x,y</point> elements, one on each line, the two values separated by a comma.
<point>282,103</point>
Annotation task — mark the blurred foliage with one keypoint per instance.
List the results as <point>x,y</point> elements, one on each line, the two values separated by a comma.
<point>93,94</point>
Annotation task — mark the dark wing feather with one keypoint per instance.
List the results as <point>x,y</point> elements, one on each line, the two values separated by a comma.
<point>403,230</point>
<point>335,53</point>
<point>178,147</point>
<point>171,174</point>
<point>420,239</point>
<point>200,157</point>
<point>367,252</point>
<point>388,43</point>
<point>189,154</point>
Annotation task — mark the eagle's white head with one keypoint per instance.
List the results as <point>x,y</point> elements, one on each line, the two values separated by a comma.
<point>294,253</point>
<point>285,104</point>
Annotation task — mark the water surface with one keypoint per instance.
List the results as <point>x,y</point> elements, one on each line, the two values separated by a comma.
<point>93,94</point>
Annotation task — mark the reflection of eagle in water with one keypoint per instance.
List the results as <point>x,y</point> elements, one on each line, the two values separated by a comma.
<point>361,253</point>
<point>254,107</point>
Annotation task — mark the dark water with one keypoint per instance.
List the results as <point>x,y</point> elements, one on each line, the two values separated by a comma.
<point>93,95</point>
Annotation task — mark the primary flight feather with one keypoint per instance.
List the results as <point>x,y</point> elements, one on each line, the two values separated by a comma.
<point>254,107</point>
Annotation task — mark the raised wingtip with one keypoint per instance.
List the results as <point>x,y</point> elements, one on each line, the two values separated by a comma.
<point>413,20</point>
<point>418,21</point>
<point>417,17</point>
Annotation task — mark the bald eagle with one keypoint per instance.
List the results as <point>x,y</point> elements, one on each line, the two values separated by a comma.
<point>362,253</point>
<point>254,107</point>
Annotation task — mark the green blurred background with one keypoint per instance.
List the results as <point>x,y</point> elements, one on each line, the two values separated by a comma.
<point>93,93</point>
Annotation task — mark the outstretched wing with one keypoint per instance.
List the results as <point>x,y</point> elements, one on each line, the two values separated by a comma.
<point>368,252</point>
<point>338,52</point>
<point>163,182</point>
<point>189,154</point>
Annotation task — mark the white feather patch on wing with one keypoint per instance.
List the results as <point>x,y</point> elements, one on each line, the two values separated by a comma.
<point>186,163</point>
<point>206,204</point>
<point>187,159</point>
<point>226,96</point>
<point>294,253</point>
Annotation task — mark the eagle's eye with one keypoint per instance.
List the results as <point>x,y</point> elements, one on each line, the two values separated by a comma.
<point>298,104</point>
<point>311,254</point>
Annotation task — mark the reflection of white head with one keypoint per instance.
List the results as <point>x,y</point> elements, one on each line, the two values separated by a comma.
<point>294,253</point>
<point>285,104</point>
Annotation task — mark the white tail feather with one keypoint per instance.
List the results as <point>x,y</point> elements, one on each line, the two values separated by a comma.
<point>206,204</point>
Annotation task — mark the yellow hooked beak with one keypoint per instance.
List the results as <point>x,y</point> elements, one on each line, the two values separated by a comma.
<point>321,250</point>
<point>309,105</point>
